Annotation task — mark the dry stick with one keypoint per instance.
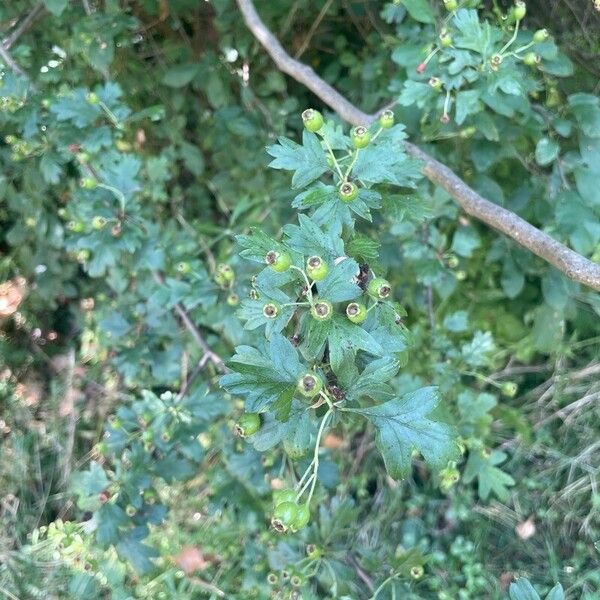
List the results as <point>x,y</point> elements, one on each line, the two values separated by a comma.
<point>572,264</point>
<point>195,332</point>
<point>27,21</point>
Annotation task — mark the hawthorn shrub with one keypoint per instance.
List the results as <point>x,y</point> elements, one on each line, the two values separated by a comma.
<point>253,350</point>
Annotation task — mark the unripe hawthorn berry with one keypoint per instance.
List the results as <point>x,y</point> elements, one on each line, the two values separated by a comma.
<point>92,98</point>
<point>541,35</point>
<point>509,389</point>
<point>278,261</point>
<point>453,261</point>
<point>296,580</point>
<point>309,385</point>
<point>531,59</point>
<point>445,39</point>
<point>356,312</point>
<point>312,119</point>
<point>417,572</point>
<point>302,517</point>
<point>316,268</point>
<point>451,5</point>
<point>496,61</point>
<point>130,510</point>
<point>285,495</point>
<point>233,299</point>
<point>360,137</point>
<point>436,83</point>
<point>519,10</point>
<point>183,267</point>
<point>284,516</point>
<point>226,272</point>
<point>322,310</point>
<point>248,424</point>
<point>270,310</point>
<point>88,183</point>
<point>467,132</point>
<point>386,119</point>
<point>379,288</point>
<point>272,579</point>
<point>75,226</point>
<point>348,191</point>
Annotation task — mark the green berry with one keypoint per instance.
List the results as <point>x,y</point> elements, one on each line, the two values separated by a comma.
<point>130,510</point>
<point>309,385</point>
<point>445,39</point>
<point>348,191</point>
<point>379,288</point>
<point>417,572</point>
<point>272,579</point>
<point>302,517</point>
<point>531,59</point>
<point>271,310</point>
<point>248,424</point>
<point>541,35</point>
<point>285,495</point>
<point>284,516</point>
<point>453,261</point>
<point>519,10</point>
<point>313,119</point>
<point>88,183</point>
<point>436,83</point>
<point>322,310</point>
<point>496,61</point>
<point>451,5</point>
<point>233,299</point>
<point>75,226</point>
<point>93,98</point>
<point>83,157</point>
<point>356,312</point>
<point>98,222</point>
<point>226,272</point>
<point>386,119</point>
<point>316,268</point>
<point>184,267</point>
<point>360,137</point>
<point>509,389</point>
<point>278,261</point>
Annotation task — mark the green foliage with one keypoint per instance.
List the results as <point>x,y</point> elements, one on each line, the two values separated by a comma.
<point>136,205</point>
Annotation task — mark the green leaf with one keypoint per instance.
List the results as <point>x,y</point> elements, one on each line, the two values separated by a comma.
<point>373,382</point>
<point>587,185</point>
<point>457,321</point>
<point>181,75</point>
<point>340,284</point>
<point>472,35</point>
<point>416,93</point>
<point>556,593</point>
<point>403,426</point>
<point>363,248</point>
<point>465,240</point>
<point>586,109</point>
<point>385,161</point>
<point>476,352</point>
<point>490,478</point>
<point>131,549</point>
<point>87,485</point>
<point>264,378</point>
<point>309,239</point>
<point>522,590</point>
<point>546,151</point>
<point>467,103</point>
<point>256,244</point>
<point>308,161</point>
<point>56,7</point>
<point>419,10</point>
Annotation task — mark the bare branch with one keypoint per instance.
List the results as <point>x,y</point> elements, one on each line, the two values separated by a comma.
<point>8,60</point>
<point>22,27</point>
<point>572,264</point>
<point>195,332</point>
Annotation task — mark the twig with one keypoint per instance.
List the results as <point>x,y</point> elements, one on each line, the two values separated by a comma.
<point>572,264</point>
<point>313,28</point>
<point>195,332</point>
<point>25,24</point>
<point>8,60</point>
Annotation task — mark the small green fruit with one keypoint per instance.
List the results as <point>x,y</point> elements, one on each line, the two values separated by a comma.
<point>98,222</point>
<point>509,389</point>
<point>348,191</point>
<point>130,510</point>
<point>417,572</point>
<point>271,310</point>
<point>316,268</point>
<point>445,39</point>
<point>233,299</point>
<point>379,288</point>
<point>322,310</point>
<point>519,10</point>
<point>312,119</point>
<point>531,59</point>
<point>356,312</point>
<point>285,495</point>
<point>360,137</point>
<point>88,183</point>
<point>284,516</point>
<point>386,119</point>
<point>302,517</point>
<point>248,424</point>
<point>75,226</point>
<point>541,35</point>
<point>93,98</point>
<point>278,261</point>
<point>436,83</point>
<point>309,385</point>
<point>451,5</point>
<point>226,273</point>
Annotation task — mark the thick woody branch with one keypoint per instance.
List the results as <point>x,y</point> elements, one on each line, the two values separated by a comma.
<point>572,264</point>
